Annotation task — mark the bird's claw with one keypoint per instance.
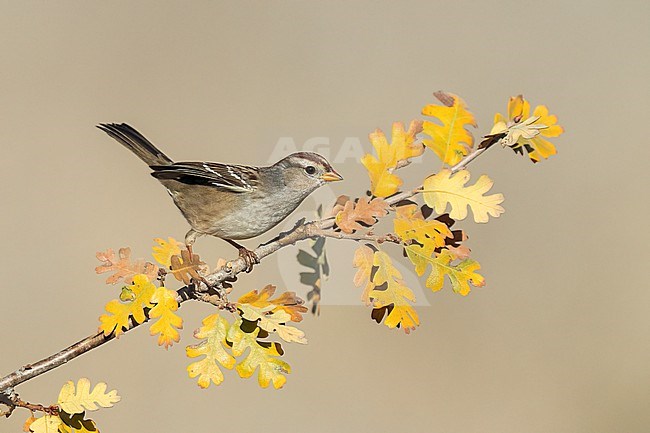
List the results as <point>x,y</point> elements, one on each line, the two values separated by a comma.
<point>249,257</point>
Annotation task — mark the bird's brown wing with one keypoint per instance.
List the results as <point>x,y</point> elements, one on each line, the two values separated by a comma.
<point>235,178</point>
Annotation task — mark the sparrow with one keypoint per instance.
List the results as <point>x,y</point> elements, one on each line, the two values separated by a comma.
<point>230,201</point>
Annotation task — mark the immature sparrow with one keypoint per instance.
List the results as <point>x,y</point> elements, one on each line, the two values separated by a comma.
<point>231,202</point>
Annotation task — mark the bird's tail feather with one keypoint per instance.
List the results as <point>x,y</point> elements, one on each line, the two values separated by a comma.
<point>136,143</point>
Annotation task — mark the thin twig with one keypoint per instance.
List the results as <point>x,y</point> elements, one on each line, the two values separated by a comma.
<point>380,239</point>
<point>50,410</point>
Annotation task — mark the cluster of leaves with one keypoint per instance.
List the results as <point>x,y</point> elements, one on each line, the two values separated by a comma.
<point>525,132</point>
<point>141,299</point>
<point>427,240</point>
<point>246,337</point>
<point>69,413</point>
<point>243,344</point>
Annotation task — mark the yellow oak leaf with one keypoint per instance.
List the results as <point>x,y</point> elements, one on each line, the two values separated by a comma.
<point>165,250</point>
<point>168,323</point>
<point>406,146</point>
<point>395,295</point>
<point>273,322</point>
<point>409,224</point>
<point>78,400</point>
<point>287,301</point>
<point>363,261</point>
<point>383,180</point>
<point>444,188</point>
<point>526,132</point>
<point>365,210</point>
<point>118,318</point>
<point>461,275</point>
<point>213,347</point>
<point>451,141</point>
<point>124,269</point>
<point>260,354</point>
<point>46,424</point>
<point>186,267</point>
<point>258,299</point>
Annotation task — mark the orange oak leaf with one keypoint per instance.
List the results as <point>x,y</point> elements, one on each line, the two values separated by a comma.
<point>292,304</point>
<point>185,267</point>
<point>124,269</point>
<point>365,210</point>
<point>287,301</point>
<point>339,205</point>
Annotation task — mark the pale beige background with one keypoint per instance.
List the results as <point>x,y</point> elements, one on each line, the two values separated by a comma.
<point>558,341</point>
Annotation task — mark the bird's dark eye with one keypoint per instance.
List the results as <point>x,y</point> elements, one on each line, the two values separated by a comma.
<point>310,169</point>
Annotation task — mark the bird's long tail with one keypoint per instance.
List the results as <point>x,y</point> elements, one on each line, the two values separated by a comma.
<point>136,143</point>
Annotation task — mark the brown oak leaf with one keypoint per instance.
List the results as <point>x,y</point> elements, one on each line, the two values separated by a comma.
<point>185,268</point>
<point>339,204</point>
<point>124,269</point>
<point>292,304</point>
<point>365,210</point>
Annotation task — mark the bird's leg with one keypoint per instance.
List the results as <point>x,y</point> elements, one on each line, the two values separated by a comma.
<point>249,256</point>
<point>190,238</point>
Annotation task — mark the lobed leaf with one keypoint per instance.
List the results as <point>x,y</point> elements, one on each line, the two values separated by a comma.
<point>409,224</point>
<point>526,132</point>
<point>165,250</point>
<point>383,181</point>
<point>273,322</point>
<point>451,141</point>
<point>186,267</point>
<point>364,210</point>
<point>82,398</point>
<point>264,358</point>
<point>384,289</point>
<point>124,269</point>
<point>444,188</point>
<point>395,295</point>
<point>45,424</point>
<point>141,292</point>
<point>460,275</point>
<point>213,347</point>
<point>168,323</point>
<point>363,261</point>
<point>287,301</point>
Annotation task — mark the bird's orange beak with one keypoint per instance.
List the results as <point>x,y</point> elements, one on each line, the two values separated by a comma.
<point>331,176</point>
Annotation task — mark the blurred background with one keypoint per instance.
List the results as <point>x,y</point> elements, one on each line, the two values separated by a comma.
<point>558,339</point>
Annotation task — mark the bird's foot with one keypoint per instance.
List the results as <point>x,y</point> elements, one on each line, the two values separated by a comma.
<point>249,257</point>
